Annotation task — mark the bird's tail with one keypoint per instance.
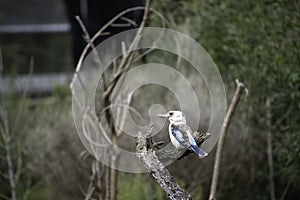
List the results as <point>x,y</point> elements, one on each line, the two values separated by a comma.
<point>199,151</point>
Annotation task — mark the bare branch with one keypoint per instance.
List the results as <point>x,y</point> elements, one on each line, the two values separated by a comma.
<point>7,142</point>
<point>90,122</point>
<point>85,50</point>
<point>127,58</point>
<point>95,52</point>
<point>165,22</point>
<point>1,62</point>
<point>146,153</point>
<point>89,192</point>
<point>124,115</point>
<point>96,125</point>
<point>126,19</point>
<point>86,131</point>
<point>120,25</point>
<point>10,171</point>
<point>286,188</point>
<point>235,100</point>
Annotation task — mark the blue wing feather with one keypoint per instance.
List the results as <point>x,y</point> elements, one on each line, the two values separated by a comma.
<point>199,151</point>
<point>179,137</point>
<point>184,137</point>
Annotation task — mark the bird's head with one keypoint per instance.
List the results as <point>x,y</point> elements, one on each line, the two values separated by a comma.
<point>175,117</point>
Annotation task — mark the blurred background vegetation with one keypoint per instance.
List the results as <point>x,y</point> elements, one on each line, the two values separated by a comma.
<point>255,41</point>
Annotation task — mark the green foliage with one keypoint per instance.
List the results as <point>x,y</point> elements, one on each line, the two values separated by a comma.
<point>16,119</point>
<point>38,132</point>
<point>257,42</point>
<point>260,46</point>
<point>137,187</point>
<point>61,92</point>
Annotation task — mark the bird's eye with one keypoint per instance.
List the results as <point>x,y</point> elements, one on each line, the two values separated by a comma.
<point>171,113</point>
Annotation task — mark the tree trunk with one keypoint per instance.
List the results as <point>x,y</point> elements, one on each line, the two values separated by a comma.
<point>269,151</point>
<point>113,172</point>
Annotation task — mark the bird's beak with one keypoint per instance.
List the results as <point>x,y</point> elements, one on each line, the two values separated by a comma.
<point>163,115</point>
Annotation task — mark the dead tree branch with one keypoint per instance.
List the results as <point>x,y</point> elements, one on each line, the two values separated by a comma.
<point>87,38</point>
<point>146,153</point>
<point>121,69</point>
<point>235,100</point>
<point>88,118</point>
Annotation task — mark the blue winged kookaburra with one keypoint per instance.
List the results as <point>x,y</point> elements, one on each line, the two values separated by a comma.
<point>180,133</point>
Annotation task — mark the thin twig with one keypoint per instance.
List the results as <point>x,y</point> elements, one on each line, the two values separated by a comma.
<point>132,22</point>
<point>165,22</point>
<point>127,58</point>
<point>140,117</point>
<point>124,115</point>
<point>85,131</point>
<point>96,125</point>
<point>85,50</point>
<point>1,62</point>
<point>121,25</point>
<point>235,100</point>
<point>285,191</point>
<point>95,52</point>
<point>123,66</point>
<point>10,170</point>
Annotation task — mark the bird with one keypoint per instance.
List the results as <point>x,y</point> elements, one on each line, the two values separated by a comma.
<point>181,134</point>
